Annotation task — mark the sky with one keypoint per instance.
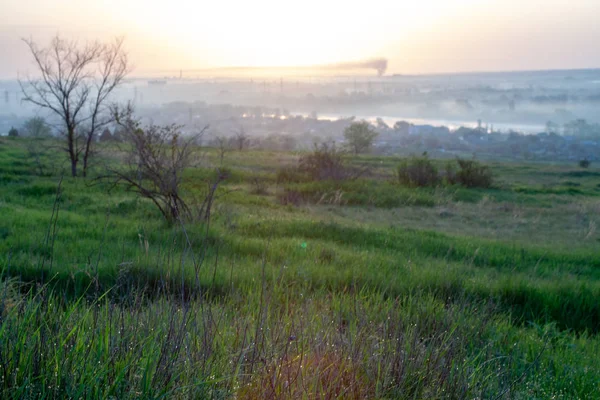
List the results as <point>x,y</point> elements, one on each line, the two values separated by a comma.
<point>416,36</point>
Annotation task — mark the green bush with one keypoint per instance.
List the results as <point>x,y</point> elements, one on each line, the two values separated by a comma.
<point>450,174</point>
<point>290,175</point>
<point>326,163</point>
<point>473,174</point>
<point>418,172</point>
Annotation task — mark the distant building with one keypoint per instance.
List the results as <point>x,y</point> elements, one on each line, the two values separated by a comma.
<point>428,130</point>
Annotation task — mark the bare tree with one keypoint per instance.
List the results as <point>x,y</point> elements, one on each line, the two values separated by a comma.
<point>222,144</point>
<point>155,158</point>
<point>75,85</point>
<point>241,139</point>
<point>38,132</point>
<point>36,127</point>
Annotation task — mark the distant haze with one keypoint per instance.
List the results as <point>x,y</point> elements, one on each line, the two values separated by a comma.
<point>427,36</point>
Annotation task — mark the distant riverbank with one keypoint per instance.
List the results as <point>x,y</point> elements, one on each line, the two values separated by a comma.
<point>451,124</point>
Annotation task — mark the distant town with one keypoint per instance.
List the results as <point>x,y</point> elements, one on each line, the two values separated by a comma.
<point>540,115</point>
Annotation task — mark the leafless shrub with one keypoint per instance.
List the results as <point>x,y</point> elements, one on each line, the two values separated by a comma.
<point>38,152</point>
<point>155,159</point>
<point>202,209</point>
<point>259,186</point>
<point>335,197</point>
<point>36,127</point>
<point>240,139</point>
<point>222,144</point>
<point>290,197</point>
<point>326,162</point>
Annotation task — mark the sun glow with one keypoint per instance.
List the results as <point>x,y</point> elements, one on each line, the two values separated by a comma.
<point>415,36</point>
<point>276,33</point>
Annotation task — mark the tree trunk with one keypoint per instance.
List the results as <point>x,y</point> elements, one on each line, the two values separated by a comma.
<point>86,153</point>
<point>72,151</point>
<point>73,168</point>
<point>85,165</point>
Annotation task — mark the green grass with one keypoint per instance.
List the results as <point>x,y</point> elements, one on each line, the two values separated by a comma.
<point>365,290</point>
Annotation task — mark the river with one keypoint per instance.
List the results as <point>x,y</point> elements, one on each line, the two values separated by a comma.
<point>451,124</point>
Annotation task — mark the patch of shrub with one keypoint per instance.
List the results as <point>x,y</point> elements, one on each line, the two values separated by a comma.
<point>222,173</point>
<point>37,190</point>
<point>326,162</point>
<point>585,163</point>
<point>290,175</point>
<point>418,171</point>
<point>450,173</point>
<point>573,191</point>
<point>326,256</point>
<point>290,197</point>
<point>473,174</point>
<point>4,232</point>
<point>335,198</point>
<point>582,174</point>
<point>259,186</point>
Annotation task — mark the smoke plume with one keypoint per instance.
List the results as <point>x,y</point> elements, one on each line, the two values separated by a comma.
<point>378,64</point>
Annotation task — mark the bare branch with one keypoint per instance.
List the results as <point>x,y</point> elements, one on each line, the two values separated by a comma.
<point>155,158</point>
<point>75,83</point>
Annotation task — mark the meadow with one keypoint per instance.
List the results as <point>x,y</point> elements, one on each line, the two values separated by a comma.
<point>357,288</point>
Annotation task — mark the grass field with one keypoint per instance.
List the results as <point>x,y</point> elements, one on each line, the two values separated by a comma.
<point>360,289</point>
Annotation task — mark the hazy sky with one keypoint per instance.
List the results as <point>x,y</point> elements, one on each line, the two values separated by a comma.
<point>417,36</point>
